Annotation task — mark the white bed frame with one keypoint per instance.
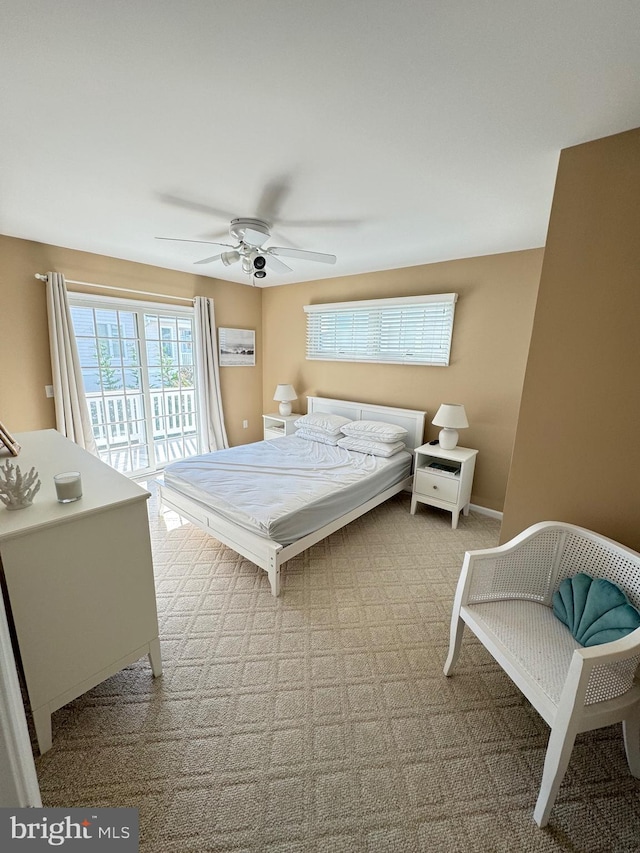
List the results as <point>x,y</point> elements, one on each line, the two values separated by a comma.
<point>267,553</point>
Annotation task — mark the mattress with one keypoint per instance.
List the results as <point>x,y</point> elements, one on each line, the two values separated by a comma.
<point>285,488</point>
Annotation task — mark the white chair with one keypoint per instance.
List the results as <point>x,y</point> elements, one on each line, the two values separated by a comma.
<point>505,594</point>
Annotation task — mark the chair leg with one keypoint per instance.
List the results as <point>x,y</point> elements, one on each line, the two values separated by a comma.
<point>559,748</point>
<point>455,641</point>
<point>631,734</point>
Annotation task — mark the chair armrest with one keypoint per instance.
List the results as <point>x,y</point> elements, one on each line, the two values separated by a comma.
<point>617,650</point>
<point>521,568</point>
<point>603,672</point>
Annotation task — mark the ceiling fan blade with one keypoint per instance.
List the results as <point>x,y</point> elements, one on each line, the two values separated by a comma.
<point>209,260</point>
<point>197,206</point>
<point>276,265</point>
<point>318,223</point>
<point>254,238</point>
<point>271,198</point>
<point>215,235</point>
<point>303,255</point>
<point>208,242</point>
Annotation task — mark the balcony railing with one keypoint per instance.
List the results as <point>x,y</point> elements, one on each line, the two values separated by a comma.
<point>119,423</point>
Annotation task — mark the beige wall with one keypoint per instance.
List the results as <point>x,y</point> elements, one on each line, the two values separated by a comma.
<point>493,321</point>
<point>577,453</point>
<point>24,343</point>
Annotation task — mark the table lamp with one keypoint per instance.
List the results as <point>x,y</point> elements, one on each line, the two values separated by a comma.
<point>285,394</point>
<point>451,417</point>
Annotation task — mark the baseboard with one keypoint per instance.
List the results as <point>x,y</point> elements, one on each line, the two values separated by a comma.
<point>483,510</point>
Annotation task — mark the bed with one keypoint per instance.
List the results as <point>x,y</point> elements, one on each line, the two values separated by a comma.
<point>286,495</point>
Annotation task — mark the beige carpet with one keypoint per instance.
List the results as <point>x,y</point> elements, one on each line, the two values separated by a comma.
<point>321,721</point>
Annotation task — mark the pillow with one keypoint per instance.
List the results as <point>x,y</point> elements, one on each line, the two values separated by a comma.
<point>594,610</point>
<point>317,435</point>
<point>376,448</point>
<point>376,430</point>
<point>328,423</point>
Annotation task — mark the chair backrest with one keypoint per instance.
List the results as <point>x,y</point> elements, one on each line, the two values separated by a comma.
<point>584,551</point>
<point>535,569</point>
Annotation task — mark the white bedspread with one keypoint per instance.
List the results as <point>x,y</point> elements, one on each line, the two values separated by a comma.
<point>285,488</point>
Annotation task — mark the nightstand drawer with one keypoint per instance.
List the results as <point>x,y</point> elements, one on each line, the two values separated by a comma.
<point>437,486</point>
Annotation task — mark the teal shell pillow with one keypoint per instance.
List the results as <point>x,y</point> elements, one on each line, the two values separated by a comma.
<point>594,610</point>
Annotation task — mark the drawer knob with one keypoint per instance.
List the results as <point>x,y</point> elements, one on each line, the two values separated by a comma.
<point>435,488</point>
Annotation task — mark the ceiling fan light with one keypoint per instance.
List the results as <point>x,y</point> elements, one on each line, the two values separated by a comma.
<point>229,258</point>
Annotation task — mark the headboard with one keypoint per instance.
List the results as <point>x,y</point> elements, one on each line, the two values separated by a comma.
<point>410,419</point>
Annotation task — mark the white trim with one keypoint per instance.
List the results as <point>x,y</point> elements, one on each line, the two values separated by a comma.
<point>380,303</point>
<point>90,300</point>
<point>484,510</point>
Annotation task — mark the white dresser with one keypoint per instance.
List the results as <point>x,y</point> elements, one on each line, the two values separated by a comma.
<point>78,577</point>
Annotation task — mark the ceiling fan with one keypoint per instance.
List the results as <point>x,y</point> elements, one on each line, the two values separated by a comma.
<point>250,236</point>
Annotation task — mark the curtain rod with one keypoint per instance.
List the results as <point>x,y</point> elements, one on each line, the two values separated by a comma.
<point>43,277</point>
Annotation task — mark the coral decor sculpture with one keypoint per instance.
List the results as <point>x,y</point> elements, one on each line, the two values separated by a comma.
<point>17,491</point>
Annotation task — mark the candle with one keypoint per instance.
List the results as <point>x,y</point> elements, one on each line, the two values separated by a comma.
<point>68,486</point>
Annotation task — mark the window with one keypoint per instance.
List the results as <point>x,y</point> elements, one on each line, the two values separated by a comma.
<point>409,330</point>
<point>138,367</point>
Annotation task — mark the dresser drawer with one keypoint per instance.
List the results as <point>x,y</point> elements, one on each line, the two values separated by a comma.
<point>437,486</point>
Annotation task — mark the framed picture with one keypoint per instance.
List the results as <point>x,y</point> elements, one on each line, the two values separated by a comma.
<point>8,442</point>
<point>237,347</point>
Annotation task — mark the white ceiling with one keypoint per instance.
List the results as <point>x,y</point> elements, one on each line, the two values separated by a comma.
<point>401,132</point>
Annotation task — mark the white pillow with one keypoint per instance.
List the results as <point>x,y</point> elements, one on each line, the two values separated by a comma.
<point>330,424</point>
<point>376,430</point>
<point>376,448</point>
<point>317,435</point>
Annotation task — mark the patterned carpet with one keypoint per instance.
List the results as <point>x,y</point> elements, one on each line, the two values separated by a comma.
<point>321,721</point>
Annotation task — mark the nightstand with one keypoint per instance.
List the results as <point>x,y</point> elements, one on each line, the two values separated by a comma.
<point>275,426</point>
<point>444,478</point>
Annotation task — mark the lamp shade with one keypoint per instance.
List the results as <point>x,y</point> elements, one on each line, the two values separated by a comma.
<point>285,394</point>
<point>229,258</point>
<point>451,417</point>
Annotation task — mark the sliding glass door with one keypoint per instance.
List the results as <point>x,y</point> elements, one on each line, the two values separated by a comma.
<point>139,375</point>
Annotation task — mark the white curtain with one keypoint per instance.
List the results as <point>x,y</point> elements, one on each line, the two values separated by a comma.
<point>214,435</point>
<point>72,412</point>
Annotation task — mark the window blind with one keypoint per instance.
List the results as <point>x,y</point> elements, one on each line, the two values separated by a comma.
<point>407,330</point>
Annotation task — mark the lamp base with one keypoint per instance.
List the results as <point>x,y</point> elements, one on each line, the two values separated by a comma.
<point>284,409</point>
<point>448,438</point>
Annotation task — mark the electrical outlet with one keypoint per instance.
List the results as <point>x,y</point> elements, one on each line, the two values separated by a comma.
<point>245,424</point>
<point>48,390</point>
